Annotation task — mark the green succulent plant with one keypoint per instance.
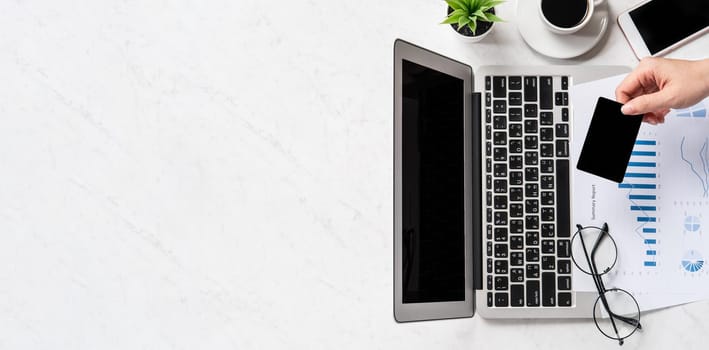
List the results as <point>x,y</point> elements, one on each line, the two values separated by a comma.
<point>469,12</point>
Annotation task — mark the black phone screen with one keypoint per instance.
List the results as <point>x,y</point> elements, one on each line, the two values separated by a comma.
<point>662,23</point>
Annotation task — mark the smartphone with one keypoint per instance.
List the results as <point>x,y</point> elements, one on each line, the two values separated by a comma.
<point>655,27</point>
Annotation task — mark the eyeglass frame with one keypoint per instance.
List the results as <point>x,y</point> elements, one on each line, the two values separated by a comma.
<point>600,287</point>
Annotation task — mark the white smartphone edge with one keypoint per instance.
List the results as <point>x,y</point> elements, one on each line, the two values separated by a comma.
<point>635,40</point>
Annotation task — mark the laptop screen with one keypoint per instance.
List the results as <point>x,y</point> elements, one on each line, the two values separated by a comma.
<point>432,186</point>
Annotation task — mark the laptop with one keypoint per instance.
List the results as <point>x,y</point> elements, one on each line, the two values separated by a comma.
<point>482,200</point>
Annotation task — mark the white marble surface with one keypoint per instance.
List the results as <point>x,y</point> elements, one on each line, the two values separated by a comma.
<point>218,175</point>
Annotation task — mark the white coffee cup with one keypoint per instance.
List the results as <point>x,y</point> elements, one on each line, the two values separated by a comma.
<point>558,29</point>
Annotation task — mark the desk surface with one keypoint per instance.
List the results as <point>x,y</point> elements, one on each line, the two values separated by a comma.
<point>218,175</point>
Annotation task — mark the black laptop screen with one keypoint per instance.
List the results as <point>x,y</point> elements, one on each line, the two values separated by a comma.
<point>433,251</point>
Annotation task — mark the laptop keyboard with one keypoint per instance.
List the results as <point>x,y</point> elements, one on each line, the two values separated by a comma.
<point>528,243</point>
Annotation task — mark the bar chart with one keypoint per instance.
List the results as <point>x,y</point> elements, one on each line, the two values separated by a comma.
<point>640,182</point>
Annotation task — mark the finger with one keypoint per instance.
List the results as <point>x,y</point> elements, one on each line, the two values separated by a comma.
<point>655,117</point>
<point>657,101</point>
<point>632,84</point>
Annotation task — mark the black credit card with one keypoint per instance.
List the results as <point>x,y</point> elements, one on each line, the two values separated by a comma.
<point>609,141</point>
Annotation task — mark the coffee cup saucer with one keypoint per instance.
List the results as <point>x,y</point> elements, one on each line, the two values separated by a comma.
<point>538,36</point>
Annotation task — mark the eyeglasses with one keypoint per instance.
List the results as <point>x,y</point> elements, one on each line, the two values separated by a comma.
<point>615,312</point>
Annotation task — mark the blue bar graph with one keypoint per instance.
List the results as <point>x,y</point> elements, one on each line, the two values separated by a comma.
<point>645,186</point>
<point>646,142</point>
<point>642,175</point>
<point>643,164</point>
<point>640,182</point>
<point>643,153</point>
<point>650,197</point>
<point>643,207</point>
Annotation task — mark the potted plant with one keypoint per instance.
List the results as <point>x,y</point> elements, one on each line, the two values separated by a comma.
<point>472,19</point>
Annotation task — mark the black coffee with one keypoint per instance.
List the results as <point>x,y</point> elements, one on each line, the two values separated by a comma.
<point>564,13</point>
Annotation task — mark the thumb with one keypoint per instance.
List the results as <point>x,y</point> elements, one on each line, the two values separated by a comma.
<point>653,102</point>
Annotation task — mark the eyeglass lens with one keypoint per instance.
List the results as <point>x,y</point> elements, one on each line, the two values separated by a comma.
<point>626,314</point>
<point>598,243</point>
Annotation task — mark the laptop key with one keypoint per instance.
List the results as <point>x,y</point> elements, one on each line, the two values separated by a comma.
<point>515,114</point>
<point>563,198</point>
<point>564,299</point>
<point>564,83</point>
<point>545,93</point>
<point>517,295</point>
<point>516,242</point>
<point>532,293</point>
<point>562,148</point>
<point>563,266</point>
<point>489,265</point>
<point>501,268</point>
<point>562,130</point>
<point>532,255</point>
<point>564,282</point>
<point>488,83</point>
<point>489,299</point>
<point>516,210</point>
<point>499,106</point>
<point>500,170</point>
<point>499,86</point>
<point>547,246</point>
<point>500,138</point>
<point>546,134</point>
<point>516,258</point>
<point>546,118</point>
<point>500,234</point>
<point>516,177</point>
<point>515,146</point>
<point>548,262</point>
<point>489,282</point>
<point>500,186</point>
<point>499,122</point>
<point>501,299</point>
<point>515,130</point>
<point>500,202</point>
<point>546,166</point>
<point>530,89</point>
<point>515,98</point>
<point>501,250</point>
<point>501,283</point>
<point>516,162</point>
<point>515,83</point>
<point>530,111</point>
<point>563,248</point>
<point>516,226</point>
<point>532,238</point>
<point>517,275</point>
<point>548,289</point>
<point>515,194</point>
<point>548,230</point>
<point>532,271</point>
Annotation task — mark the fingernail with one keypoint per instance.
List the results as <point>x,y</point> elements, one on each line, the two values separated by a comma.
<point>627,109</point>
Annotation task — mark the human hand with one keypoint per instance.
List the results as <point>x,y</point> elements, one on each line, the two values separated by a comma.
<point>658,84</point>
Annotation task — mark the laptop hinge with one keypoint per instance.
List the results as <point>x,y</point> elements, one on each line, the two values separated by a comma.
<point>478,259</point>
